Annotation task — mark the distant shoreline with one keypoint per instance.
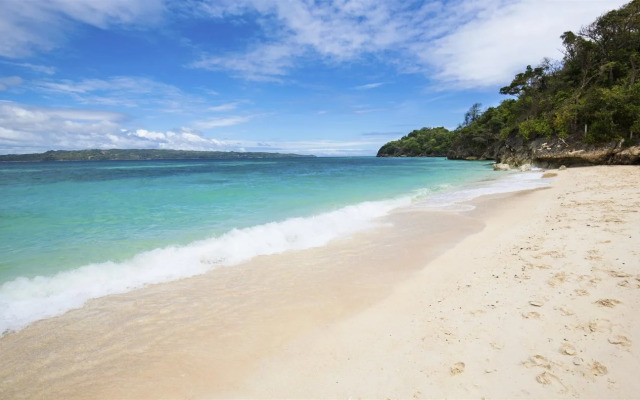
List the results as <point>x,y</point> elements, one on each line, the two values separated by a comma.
<point>140,155</point>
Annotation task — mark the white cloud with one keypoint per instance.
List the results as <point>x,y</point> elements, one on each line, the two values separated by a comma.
<point>335,31</point>
<point>370,110</point>
<point>369,86</point>
<point>500,41</point>
<point>122,91</point>
<point>224,107</point>
<point>9,81</point>
<point>263,63</point>
<point>143,133</point>
<point>26,129</point>
<point>43,69</point>
<point>220,122</point>
<point>318,147</point>
<point>461,43</point>
<point>30,26</point>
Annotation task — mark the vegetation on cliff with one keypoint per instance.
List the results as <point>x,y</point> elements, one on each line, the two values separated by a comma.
<point>425,142</point>
<point>138,154</point>
<point>591,96</point>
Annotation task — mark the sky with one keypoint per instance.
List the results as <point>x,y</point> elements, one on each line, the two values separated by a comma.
<point>328,78</point>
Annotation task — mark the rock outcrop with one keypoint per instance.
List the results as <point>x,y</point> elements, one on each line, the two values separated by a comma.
<point>518,152</point>
<point>553,152</point>
<point>501,167</point>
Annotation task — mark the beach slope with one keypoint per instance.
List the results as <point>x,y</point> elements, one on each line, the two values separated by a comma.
<point>529,295</point>
<point>542,303</point>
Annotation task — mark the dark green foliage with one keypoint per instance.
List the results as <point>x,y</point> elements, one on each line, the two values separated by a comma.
<point>425,142</point>
<point>127,154</point>
<point>592,95</point>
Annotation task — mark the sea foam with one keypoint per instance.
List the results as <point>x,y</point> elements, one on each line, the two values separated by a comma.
<point>25,300</point>
<point>510,182</point>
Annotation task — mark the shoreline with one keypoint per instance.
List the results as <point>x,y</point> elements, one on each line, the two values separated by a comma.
<point>240,314</point>
<point>540,304</point>
<point>378,315</point>
<point>53,294</point>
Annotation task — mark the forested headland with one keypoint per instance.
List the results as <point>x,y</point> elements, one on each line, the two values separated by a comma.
<point>583,109</point>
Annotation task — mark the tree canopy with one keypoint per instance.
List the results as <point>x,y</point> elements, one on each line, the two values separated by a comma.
<point>593,93</point>
<point>422,142</point>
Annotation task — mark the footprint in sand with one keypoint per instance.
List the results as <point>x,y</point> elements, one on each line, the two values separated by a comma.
<point>537,361</point>
<point>594,281</point>
<point>624,283</point>
<point>565,312</point>
<point>457,368</point>
<point>599,325</point>
<point>593,255</point>
<point>591,280</point>
<point>598,369</point>
<point>557,279</point>
<point>610,303</point>
<point>617,274</point>
<point>581,292</point>
<point>567,349</point>
<point>620,340</point>
<point>546,378</point>
<point>531,315</point>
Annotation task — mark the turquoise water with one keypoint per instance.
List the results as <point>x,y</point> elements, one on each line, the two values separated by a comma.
<point>78,230</point>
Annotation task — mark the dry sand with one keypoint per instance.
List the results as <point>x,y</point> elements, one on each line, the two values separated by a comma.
<point>543,303</point>
<point>530,295</point>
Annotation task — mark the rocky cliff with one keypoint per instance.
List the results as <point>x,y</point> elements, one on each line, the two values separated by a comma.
<point>552,152</point>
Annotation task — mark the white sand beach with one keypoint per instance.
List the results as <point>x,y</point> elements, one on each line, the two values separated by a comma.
<point>530,295</point>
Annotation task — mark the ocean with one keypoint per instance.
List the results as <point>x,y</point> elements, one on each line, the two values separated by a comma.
<point>73,231</point>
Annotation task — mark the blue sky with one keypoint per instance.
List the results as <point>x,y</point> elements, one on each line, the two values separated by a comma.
<point>335,77</point>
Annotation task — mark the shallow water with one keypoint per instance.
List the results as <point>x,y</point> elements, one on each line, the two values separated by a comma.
<point>74,231</point>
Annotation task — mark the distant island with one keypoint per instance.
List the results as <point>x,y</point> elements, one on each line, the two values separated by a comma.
<point>139,154</point>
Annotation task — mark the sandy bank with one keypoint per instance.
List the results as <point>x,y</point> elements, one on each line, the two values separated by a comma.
<point>529,295</point>
<point>541,304</point>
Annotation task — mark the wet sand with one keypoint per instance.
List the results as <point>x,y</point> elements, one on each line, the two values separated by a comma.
<point>542,303</point>
<point>529,295</point>
<point>199,336</point>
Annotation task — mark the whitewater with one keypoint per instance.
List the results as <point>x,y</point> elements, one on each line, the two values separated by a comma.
<point>71,232</point>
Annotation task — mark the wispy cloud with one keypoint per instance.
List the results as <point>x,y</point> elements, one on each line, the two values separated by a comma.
<point>29,128</point>
<point>33,129</point>
<point>123,91</point>
<point>221,122</point>
<point>501,39</point>
<point>9,81</point>
<point>369,86</point>
<point>264,63</point>
<point>370,110</point>
<point>26,129</point>
<point>224,107</point>
<point>463,43</point>
<point>318,147</point>
<point>30,26</point>
<point>335,31</point>
<point>42,69</point>
<point>383,134</point>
